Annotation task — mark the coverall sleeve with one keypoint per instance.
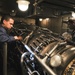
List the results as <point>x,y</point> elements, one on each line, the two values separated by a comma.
<point>4,37</point>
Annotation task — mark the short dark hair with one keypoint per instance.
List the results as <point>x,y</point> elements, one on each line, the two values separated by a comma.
<point>7,17</point>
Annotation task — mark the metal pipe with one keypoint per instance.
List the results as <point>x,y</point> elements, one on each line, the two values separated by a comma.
<point>22,66</point>
<point>42,61</point>
<point>4,58</point>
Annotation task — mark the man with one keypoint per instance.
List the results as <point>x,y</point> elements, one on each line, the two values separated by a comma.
<point>6,24</point>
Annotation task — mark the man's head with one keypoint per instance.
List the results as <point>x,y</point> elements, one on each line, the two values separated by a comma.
<point>7,22</point>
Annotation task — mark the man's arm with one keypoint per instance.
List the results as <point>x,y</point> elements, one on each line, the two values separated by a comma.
<point>4,37</point>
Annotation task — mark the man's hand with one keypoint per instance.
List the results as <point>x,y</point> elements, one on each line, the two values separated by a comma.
<point>18,37</point>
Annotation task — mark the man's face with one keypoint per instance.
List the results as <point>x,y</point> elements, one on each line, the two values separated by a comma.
<point>8,24</point>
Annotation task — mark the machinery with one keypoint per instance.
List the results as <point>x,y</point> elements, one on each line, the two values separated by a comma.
<point>42,52</point>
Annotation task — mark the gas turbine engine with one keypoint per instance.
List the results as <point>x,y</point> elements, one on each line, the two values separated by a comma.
<point>47,54</point>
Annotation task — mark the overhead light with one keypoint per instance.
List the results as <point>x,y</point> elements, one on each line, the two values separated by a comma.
<point>23,4</point>
<point>40,19</point>
<point>47,18</point>
<point>73,14</point>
